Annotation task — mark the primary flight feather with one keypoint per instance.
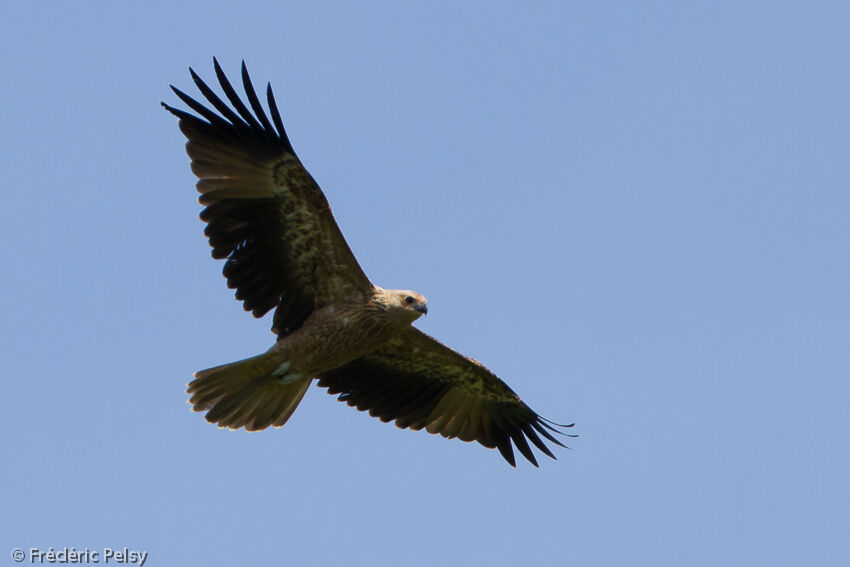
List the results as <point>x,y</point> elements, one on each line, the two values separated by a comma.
<point>271,222</point>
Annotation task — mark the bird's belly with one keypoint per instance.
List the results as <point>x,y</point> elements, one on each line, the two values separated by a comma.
<point>324,343</point>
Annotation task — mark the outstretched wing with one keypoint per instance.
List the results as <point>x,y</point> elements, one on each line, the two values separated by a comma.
<point>264,212</point>
<point>419,382</point>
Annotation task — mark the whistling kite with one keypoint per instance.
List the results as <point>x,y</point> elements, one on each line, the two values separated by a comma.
<point>267,216</point>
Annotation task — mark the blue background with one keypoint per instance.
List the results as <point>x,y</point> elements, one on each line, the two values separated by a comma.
<point>637,214</point>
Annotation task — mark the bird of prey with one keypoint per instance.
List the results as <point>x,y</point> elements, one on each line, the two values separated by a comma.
<point>269,219</point>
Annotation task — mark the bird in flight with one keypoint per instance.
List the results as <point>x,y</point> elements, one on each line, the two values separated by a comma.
<point>270,221</point>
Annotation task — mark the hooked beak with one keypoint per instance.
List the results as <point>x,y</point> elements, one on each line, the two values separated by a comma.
<point>423,308</point>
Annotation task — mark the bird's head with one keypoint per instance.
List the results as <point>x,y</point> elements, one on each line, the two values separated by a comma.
<point>403,302</point>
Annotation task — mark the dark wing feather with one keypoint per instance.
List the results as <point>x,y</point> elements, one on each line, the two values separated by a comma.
<point>421,383</point>
<point>264,212</point>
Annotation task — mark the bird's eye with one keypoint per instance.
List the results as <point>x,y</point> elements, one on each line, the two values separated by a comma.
<point>408,300</point>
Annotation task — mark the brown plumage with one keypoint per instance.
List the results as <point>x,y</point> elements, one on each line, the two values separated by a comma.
<point>271,222</point>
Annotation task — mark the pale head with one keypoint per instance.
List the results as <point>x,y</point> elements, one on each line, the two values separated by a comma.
<point>405,303</point>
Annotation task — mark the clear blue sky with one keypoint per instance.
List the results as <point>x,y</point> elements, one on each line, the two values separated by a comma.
<point>637,214</point>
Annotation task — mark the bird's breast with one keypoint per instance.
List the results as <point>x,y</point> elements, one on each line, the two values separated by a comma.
<point>334,336</point>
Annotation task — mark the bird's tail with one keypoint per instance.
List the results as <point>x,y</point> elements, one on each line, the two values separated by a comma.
<point>246,394</point>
